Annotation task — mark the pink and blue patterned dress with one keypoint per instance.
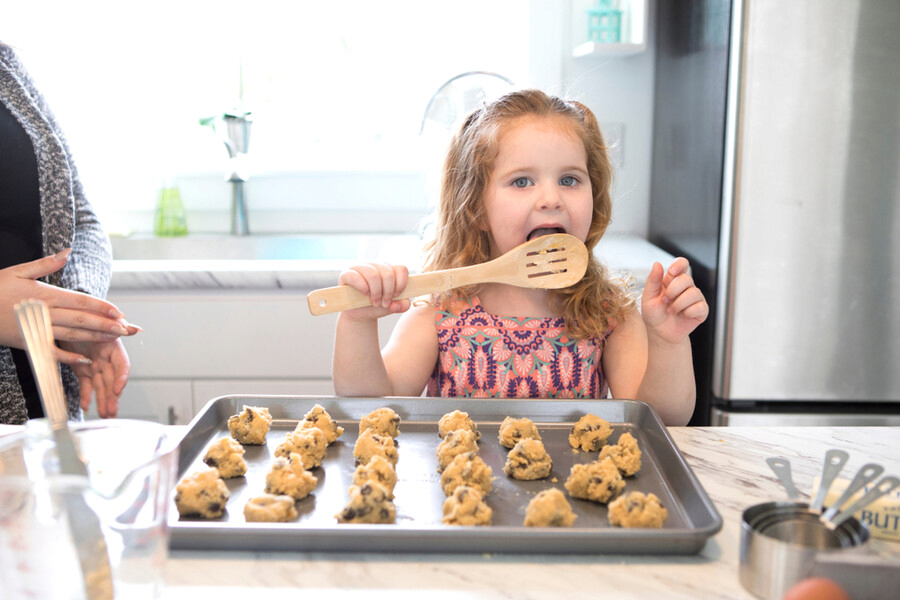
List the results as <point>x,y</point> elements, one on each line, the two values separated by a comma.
<point>488,356</point>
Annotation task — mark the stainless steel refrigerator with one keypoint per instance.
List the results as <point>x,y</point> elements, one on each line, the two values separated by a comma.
<point>776,171</point>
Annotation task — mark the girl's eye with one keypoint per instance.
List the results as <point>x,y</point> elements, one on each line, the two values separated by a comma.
<point>568,181</point>
<point>521,182</point>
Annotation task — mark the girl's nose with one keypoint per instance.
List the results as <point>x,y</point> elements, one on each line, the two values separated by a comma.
<point>549,198</point>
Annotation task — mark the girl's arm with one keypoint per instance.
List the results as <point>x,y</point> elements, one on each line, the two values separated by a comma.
<point>359,366</point>
<point>648,357</point>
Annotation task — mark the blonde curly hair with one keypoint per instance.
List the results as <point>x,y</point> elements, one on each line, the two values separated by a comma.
<point>592,306</point>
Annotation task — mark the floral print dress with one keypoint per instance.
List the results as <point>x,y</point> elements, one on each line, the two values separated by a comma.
<point>488,356</point>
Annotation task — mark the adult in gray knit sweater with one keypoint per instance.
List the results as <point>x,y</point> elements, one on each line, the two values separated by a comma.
<point>52,248</point>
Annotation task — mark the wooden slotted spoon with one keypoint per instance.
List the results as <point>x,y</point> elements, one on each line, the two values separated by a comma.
<point>548,262</point>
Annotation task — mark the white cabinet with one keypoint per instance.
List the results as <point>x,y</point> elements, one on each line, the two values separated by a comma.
<point>201,344</point>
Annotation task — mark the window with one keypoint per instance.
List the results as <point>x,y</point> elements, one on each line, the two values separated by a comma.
<point>333,88</point>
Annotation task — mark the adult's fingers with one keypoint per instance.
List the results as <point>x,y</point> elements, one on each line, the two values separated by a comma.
<point>73,359</point>
<point>82,325</point>
<point>42,267</point>
<point>121,370</point>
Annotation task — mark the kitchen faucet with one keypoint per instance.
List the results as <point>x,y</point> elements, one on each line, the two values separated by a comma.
<point>237,141</point>
<point>236,136</point>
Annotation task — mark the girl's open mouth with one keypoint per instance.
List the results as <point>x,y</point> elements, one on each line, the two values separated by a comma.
<point>540,231</point>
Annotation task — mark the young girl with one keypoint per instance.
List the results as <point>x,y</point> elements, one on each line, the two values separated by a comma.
<point>525,165</point>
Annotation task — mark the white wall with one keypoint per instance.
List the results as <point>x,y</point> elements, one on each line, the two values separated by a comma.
<point>620,92</point>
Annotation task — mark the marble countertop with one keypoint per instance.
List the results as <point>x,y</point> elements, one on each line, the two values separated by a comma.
<point>729,462</point>
<point>185,264</point>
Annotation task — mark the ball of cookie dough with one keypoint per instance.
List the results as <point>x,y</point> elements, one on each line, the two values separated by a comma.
<point>383,421</point>
<point>513,430</point>
<point>598,481</point>
<point>466,506</point>
<point>319,418</point>
<point>528,460</point>
<point>226,455</point>
<point>377,469</point>
<point>251,425</point>
<point>626,454</point>
<point>202,494</point>
<point>269,508</point>
<point>455,443</point>
<point>637,510</point>
<point>309,443</point>
<point>457,420</point>
<point>288,476</point>
<point>466,469</point>
<point>369,503</point>
<point>370,444</point>
<point>549,509</point>
<point>590,433</point>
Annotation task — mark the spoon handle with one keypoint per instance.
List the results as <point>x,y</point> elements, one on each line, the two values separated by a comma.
<point>886,485</point>
<point>834,462</point>
<point>864,476</point>
<point>782,469</point>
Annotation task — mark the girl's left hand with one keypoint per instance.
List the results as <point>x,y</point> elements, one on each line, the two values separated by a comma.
<point>671,305</point>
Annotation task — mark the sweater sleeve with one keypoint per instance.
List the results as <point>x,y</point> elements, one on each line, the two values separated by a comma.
<point>89,268</point>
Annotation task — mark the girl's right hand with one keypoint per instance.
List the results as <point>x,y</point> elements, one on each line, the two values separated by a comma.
<point>380,282</point>
<point>76,317</point>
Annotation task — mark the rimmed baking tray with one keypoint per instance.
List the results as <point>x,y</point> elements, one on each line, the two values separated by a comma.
<point>418,496</point>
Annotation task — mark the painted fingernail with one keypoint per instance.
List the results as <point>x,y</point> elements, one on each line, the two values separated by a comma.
<point>119,329</point>
<point>85,361</point>
<point>62,255</point>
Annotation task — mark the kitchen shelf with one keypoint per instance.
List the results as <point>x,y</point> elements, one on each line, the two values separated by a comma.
<point>634,31</point>
<point>606,49</point>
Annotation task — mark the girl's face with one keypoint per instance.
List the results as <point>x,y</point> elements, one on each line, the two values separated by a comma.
<point>539,184</point>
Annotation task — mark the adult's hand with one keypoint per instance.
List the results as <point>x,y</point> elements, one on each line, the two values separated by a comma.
<point>76,317</point>
<point>106,375</point>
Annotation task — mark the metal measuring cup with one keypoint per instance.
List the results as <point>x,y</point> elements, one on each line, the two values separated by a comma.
<point>780,541</point>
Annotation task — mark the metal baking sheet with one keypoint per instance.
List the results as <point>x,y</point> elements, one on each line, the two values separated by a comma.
<point>418,496</point>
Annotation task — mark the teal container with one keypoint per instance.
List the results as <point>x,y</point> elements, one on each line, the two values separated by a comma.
<point>604,23</point>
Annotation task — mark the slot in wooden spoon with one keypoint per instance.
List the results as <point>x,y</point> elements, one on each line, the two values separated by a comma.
<point>548,262</point>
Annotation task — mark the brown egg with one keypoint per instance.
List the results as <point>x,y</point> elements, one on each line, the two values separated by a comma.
<point>816,588</point>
